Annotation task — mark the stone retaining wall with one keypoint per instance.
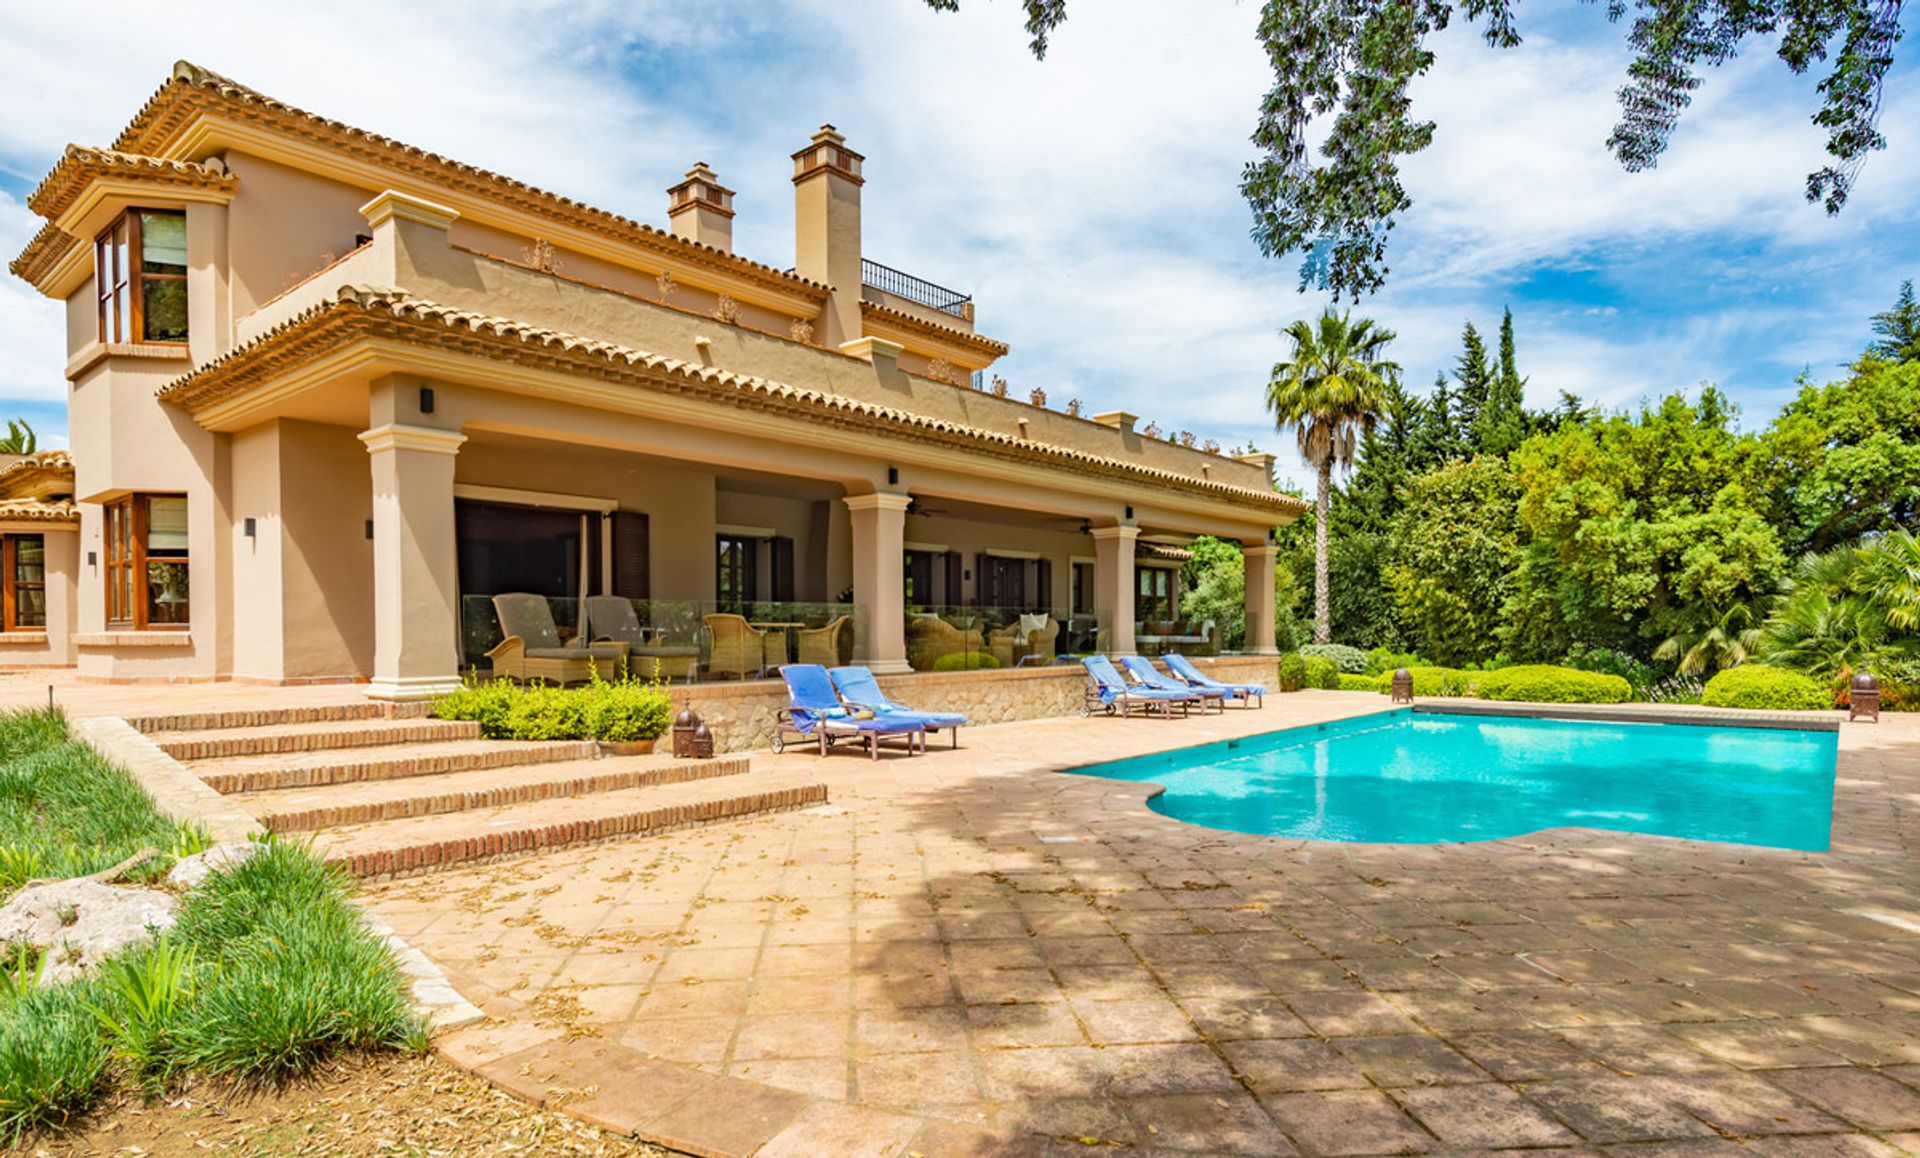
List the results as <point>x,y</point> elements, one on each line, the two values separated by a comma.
<point>740,715</point>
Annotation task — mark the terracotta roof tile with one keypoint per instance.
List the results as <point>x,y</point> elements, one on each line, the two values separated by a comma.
<point>80,165</point>
<point>952,334</point>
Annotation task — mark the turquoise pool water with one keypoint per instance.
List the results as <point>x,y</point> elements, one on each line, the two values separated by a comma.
<point>1425,778</point>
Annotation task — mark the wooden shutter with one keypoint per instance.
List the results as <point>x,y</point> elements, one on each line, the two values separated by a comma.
<point>1043,580</point>
<point>632,556</point>
<point>782,552</point>
<point>954,570</point>
<point>983,592</point>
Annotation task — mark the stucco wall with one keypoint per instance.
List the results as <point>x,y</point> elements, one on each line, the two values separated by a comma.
<point>326,492</point>
<point>283,224</point>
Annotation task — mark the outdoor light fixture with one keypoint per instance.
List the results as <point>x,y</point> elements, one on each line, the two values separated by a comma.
<point>1129,514</point>
<point>426,400</point>
<point>247,527</point>
<point>369,530</point>
<point>893,476</point>
<point>93,559</point>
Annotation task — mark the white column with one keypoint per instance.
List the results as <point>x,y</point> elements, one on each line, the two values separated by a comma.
<point>1113,592</point>
<point>416,583</point>
<point>879,579</point>
<point>1260,607</point>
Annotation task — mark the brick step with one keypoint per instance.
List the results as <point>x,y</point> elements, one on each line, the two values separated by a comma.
<point>425,844</point>
<point>309,737</point>
<point>316,769</point>
<point>312,809</point>
<point>279,717</point>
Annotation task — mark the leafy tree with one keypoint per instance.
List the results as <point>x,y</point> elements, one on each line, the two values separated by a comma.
<point>1354,60</point>
<point>1456,552</point>
<point>1848,456</point>
<point>1898,329</point>
<point>1332,388</point>
<point>1214,586</point>
<point>20,438</point>
<point>1634,516</point>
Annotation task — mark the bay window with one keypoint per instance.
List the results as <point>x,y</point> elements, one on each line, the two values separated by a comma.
<point>140,277</point>
<point>147,565</point>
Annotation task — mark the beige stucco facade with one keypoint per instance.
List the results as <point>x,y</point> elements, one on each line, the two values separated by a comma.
<point>377,336</point>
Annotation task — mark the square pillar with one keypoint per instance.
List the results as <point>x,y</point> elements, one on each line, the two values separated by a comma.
<point>416,583</point>
<point>1113,589</point>
<point>1259,560</point>
<point>879,525</point>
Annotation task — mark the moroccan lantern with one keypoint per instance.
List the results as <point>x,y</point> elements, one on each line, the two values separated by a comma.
<point>702,742</point>
<point>685,726</point>
<point>1863,698</point>
<point>1402,686</point>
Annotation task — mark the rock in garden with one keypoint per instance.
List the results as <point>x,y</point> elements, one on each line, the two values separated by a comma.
<point>192,870</point>
<point>80,923</point>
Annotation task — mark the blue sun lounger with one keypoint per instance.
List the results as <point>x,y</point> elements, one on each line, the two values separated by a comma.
<point>816,713</point>
<point>1108,690</point>
<point>859,689</point>
<point>1184,670</point>
<point>1146,675</point>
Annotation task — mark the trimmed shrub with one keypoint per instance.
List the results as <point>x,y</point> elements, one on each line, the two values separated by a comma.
<point>1546,684</point>
<point>1641,677</point>
<point>1432,681</point>
<point>624,710</point>
<point>1321,673</point>
<point>1359,683</point>
<point>1753,685</point>
<point>1350,660</point>
<point>1293,673</point>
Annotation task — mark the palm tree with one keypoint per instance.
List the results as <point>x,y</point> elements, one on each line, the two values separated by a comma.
<point>20,438</point>
<point>1333,389</point>
<point>1890,571</point>
<point>1712,641</point>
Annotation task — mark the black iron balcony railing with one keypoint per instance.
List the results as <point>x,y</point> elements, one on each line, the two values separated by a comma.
<point>889,280</point>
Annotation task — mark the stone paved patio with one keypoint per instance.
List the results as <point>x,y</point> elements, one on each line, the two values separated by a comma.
<point>966,954</point>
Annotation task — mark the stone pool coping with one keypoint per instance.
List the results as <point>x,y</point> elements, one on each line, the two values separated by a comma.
<point>1693,714</point>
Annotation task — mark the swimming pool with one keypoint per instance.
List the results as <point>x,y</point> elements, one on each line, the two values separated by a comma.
<point>1430,777</point>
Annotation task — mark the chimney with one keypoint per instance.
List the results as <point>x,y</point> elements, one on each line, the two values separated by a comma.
<point>700,209</point>
<point>826,228</point>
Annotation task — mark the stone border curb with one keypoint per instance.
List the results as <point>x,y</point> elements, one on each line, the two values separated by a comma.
<point>434,997</point>
<point>177,793</point>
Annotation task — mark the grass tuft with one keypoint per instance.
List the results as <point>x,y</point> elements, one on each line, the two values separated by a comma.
<point>64,810</point>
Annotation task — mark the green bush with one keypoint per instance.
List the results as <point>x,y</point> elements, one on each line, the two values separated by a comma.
<point>1293,673</point>
<point>1350,660</point>
<point>1548,684</point>
<point>624,710</point>
<point>965,661</point>
<point>1383,661</point>
<point>1434,681</point>
<point>1753,685</point>
<point>1359,683</point>
<point>1641,677</point>
<point>1322,673</point>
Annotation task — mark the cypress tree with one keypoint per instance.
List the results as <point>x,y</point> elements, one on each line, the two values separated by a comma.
<point>1502,422</point>
<point>1898,329</point>
<point>1476,381</point>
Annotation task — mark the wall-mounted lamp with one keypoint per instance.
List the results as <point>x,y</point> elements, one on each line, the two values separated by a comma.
<point>426,400</point>
<point>1129,514</point>
<point>369,530</point>
<point>247,527</point>
<point>93,559</point>
<point>893,476</point>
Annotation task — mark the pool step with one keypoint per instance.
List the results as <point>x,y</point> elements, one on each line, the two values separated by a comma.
<point>426,844</point>
<point>274,739</point>
<point>275,717</point>
<point>318,768</point>
<point>336,806</point>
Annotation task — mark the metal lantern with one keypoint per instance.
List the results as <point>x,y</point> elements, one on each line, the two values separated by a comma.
<point>686,726</point>
<point>702,742</point>
<point>1402,686</point>
<point>1863,698</point>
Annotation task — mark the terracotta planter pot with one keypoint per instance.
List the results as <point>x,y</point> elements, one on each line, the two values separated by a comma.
<point>626,747</point>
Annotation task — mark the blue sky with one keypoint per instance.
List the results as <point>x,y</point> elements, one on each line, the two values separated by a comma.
<point>1089,201</point>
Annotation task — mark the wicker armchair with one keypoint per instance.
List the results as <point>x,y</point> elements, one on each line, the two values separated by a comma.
<point>532,649</point>
<point>930,638</point>
<point>610,620</point>
<point>739,648</point>
<point>821,645</point>
<point>1022,639</point>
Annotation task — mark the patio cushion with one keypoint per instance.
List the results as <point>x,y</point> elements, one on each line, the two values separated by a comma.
<point>558,653</point>
<point>612,617</point>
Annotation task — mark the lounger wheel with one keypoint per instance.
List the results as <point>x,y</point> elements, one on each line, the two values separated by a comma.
<point>779,743</point>
<point>1109,709</point>
<point>1086,709</point>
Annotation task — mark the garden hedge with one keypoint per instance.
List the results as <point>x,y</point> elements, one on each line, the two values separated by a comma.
<point>1349,660</point>
<point>1431,681</point>
<point>1321,673</point>
<point>1359,683</point>
<point>1548,684</point>
<point>1293,673</point>
<point>1753,685</point>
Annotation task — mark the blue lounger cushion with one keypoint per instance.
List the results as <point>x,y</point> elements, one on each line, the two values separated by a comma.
<point>857,686</point>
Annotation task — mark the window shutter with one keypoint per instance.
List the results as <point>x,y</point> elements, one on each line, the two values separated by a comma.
<point>632,557</point>
<point>983,592</point>
<point>954,570</point>
<point>1043,581</point>
<point>782,569</point>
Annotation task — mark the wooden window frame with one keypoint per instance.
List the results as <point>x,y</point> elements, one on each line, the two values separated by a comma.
<point>9,547</point>
<point>1150,577</point>
<point>131,512</point>
<point>108,282</point>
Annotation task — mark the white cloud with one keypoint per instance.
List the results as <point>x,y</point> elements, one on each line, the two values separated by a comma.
<point>1088,201</point>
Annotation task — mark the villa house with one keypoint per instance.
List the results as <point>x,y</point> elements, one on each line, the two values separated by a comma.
<point>330,392</point>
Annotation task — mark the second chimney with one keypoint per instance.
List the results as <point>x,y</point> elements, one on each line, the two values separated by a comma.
<point>700,209</point>
<point>826,227</point>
